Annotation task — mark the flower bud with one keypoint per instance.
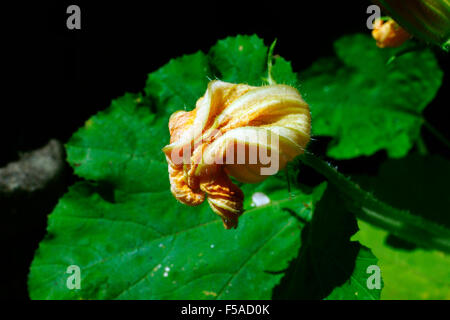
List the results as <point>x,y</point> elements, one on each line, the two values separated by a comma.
<point>237,130</point>
<point>389,34</point>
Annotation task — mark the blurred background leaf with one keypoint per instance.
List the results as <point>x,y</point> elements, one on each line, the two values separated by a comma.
<point>240,59</point>
<point>365,104</point>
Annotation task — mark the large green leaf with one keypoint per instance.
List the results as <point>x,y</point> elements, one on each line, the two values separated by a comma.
<point>129,249</point>
<point>178,84</point>
<point>241,59</point>
<point>365,104</point>
<point>130,237</point>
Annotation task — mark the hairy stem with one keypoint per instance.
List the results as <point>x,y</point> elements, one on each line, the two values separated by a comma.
<point>366,207</point>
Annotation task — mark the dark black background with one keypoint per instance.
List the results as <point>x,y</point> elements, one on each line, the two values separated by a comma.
<point>61,77</point>
<point>71,74</point>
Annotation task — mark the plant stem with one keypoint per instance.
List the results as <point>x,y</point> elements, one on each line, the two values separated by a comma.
<point>436,133</point>
<point>421,146</point>
<point>366,207</point>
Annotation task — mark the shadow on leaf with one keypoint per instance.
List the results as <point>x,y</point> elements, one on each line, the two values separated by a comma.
<point>326,260</point>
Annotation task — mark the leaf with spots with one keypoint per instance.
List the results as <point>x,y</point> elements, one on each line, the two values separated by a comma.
<point>132,240</point>
<point>241,59</point>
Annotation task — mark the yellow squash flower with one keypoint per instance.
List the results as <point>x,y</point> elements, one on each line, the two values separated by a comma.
<point>236,130</point>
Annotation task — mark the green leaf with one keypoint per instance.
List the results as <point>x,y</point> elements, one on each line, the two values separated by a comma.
<point>356,287</point>
<point>131,250</point>
<point>121,147</point>
<point>241,59</point>
<point>365,104</point>
<point>407,273</point>
<point>283,74</point>
<point>329,265</point>
<point>133,240</point>
<point>178,84</point>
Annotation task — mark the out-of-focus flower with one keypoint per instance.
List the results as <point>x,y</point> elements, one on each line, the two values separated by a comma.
<point>235,130</point>
<point>428,20</point>
<point>388,34</point>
